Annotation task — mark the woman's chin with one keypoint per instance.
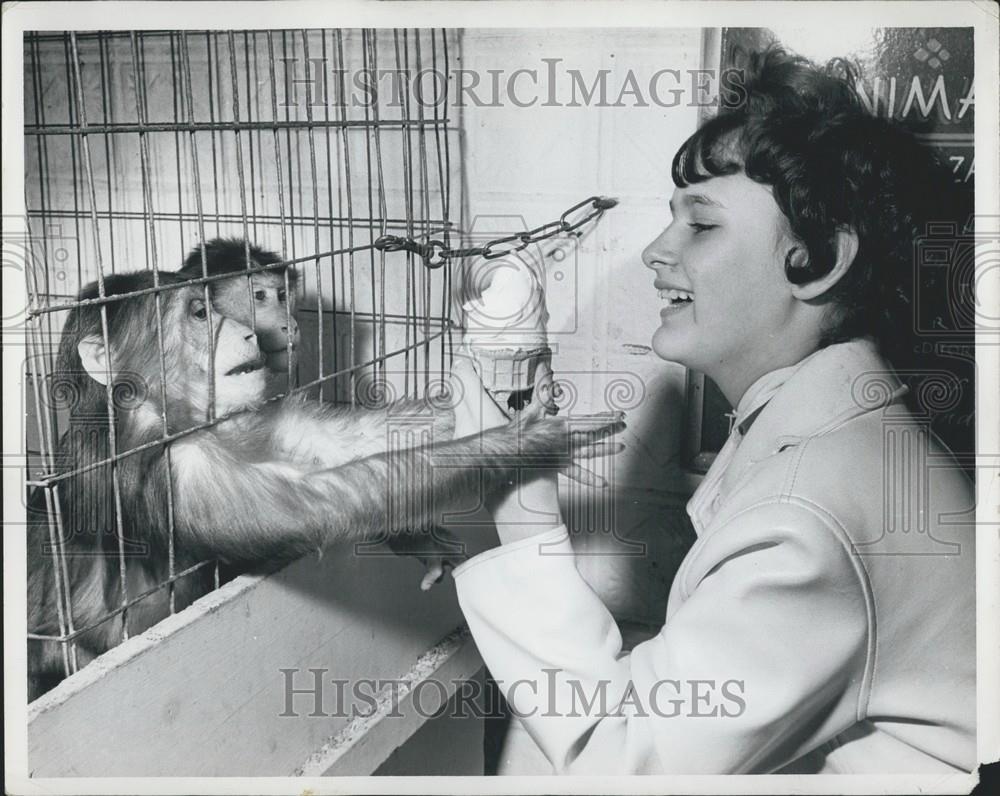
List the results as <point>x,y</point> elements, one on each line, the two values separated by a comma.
<point>671,345</point>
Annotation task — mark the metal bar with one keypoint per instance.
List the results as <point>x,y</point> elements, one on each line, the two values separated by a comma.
<point>186,67</point>
<point>213,85</point>
<point>383,211</point>
<point>260,146</point>
<point>173,437</point>
<point>64,598</point>
<point>441,169</point>
<point>371,195</point>
<point>408,207</point>
<point>425,201</point>
<point>342,103</point>
<point>109,394</point>
<point>194,281</point>
<point>277,148</point>
<point>107,139</point>
<point>241,177</point>
<point>64,608</point>
<point>281,200</point>
<point>253,173</point>
<point>177,80</point>
<point>45,415</point>
<point>288,144</point>
<point>315,198</point>
<point>134,601</point>
<point>329,203</point>
<point>75,168</point>
<point>147,201</point>
<point>219,126</point>
<point>263,219</point>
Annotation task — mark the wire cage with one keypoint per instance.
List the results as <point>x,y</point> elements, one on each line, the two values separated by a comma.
<point>142,145</point>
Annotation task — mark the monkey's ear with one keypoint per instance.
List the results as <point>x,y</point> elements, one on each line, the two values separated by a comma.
<point>94,357</point>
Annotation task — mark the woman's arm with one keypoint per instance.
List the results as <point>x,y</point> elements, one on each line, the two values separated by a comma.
<point>765,658</point>
<point>531,505</point>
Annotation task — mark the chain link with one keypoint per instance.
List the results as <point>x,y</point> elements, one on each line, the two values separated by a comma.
<point>434,253</point>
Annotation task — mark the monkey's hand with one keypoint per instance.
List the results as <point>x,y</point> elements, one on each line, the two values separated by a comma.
<point>536,425</point>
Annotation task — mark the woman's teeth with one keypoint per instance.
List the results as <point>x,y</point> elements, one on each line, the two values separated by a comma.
<point>676,296</point>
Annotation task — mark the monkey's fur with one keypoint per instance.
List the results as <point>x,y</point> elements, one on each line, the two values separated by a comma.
<point>267,305</point>
<point>267,485</point>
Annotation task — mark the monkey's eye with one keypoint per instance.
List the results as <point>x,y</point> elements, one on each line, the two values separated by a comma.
<point>260,295</point>
<point>281,295</point>
<point>197,309</point>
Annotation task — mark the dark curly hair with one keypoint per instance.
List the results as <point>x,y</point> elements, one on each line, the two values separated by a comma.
<point>803,130</point>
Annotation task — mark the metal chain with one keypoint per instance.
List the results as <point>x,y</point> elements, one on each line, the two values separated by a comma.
<point>434,253</point>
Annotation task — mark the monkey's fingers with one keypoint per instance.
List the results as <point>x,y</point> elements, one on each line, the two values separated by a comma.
<point>599,450</point>
<point>590,430</point>
<point>584,476</point>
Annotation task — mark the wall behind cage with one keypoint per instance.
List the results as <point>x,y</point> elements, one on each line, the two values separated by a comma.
<point>249,134</point>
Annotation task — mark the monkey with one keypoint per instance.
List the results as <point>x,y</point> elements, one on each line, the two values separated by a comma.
<point>242,480</point>
<point>267,303</point>
<point>268,306</point>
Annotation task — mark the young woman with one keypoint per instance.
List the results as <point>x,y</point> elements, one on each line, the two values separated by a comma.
<point>824,620</point>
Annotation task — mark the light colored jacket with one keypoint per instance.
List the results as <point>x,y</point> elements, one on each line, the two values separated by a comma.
<point>823,621</point>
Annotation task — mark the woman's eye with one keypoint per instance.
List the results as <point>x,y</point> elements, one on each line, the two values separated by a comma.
<point>260,295</point>
<point>198,309</point>
<point>701,227</point>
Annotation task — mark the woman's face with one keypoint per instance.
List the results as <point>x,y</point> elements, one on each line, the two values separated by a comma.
<point>720,273</point>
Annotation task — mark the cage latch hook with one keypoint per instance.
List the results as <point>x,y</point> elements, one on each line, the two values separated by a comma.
<point>432,252</point>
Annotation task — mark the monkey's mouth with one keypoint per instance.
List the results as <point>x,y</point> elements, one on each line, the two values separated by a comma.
<point>250,366</point>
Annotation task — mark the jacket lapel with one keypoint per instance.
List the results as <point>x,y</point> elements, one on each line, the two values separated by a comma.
<point>819,394</point>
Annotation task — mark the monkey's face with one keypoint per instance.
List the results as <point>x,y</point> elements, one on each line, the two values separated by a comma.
<point>268,308</point>
<point>241,375</point>
<point>189,343</point>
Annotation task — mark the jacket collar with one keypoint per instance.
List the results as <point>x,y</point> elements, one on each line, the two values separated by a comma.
<point>820,393</point>
<point>783,407</point>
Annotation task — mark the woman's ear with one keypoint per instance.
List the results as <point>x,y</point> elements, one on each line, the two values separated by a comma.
<point>94,357</point>
<point>845,244</point>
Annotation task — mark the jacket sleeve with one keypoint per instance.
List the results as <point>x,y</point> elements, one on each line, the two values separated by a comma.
<point>763,656</point>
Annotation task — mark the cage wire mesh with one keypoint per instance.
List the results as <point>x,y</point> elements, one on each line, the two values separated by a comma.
<point>142,145</point>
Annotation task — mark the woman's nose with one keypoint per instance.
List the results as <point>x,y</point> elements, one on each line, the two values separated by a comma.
<point>660,252</point>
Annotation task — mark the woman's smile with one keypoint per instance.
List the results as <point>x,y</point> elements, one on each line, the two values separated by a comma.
<point>720,277</point>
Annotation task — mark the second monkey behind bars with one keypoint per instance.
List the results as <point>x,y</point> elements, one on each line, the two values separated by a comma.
<point>146,488</point>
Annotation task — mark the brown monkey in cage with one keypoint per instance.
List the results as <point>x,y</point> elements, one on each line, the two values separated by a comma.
<point>267,305</point>
<point>266,302</point>
<point>264,484</point>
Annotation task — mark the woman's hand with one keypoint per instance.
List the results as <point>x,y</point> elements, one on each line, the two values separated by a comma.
<point>475,410</point>
<point>532,505</point>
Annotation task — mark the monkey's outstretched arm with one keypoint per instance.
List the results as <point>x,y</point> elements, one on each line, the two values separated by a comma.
<point>318,435</point>
<point>251,512</point>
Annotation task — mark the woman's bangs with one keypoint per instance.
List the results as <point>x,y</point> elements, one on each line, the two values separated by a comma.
<point>712,151</point>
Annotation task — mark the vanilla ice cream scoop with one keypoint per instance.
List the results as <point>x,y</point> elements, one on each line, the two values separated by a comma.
<point>511,310</point>
<point>505,326</point>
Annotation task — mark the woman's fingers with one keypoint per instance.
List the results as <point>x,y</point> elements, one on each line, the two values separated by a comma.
<point>475,411</point>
